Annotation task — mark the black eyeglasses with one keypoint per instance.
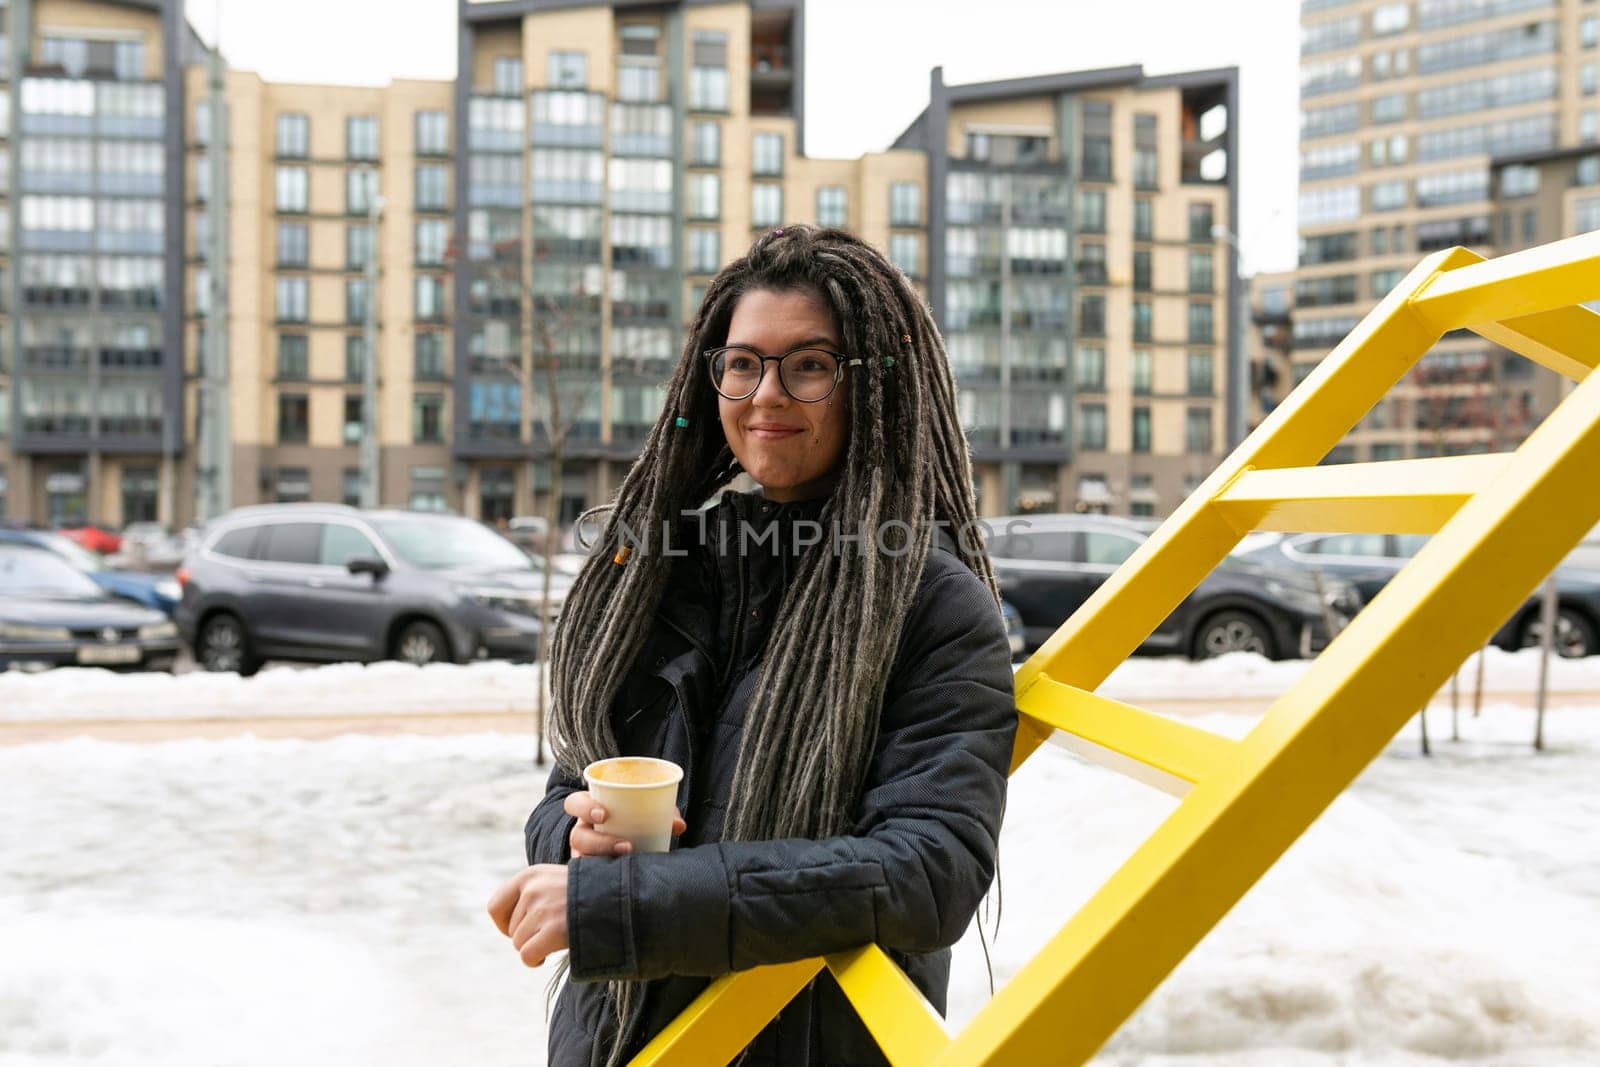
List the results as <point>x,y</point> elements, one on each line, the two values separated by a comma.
<point>807,374</point>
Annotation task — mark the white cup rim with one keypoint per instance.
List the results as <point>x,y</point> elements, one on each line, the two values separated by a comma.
<point>677,773</point>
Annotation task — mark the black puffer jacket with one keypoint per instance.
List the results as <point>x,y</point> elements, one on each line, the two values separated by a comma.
<point>908,877</point>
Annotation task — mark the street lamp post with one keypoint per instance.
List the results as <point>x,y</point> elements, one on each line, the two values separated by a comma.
<point>1238,395</point>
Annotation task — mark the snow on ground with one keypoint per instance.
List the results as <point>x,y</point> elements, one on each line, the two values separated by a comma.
<point>251,902</point>
<point>396,688</point>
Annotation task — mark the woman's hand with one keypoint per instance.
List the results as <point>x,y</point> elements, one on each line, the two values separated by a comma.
<point>531,909</point>
<point>588,840</point>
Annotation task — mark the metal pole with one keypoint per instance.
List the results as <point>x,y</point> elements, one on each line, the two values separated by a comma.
<point>1477,693</point>
<point>217,444</point>
<point>1008,480</point>
<point>369,362</point>
<point>1547,640</point>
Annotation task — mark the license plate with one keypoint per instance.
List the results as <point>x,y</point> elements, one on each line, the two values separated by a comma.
<point>108,654</point>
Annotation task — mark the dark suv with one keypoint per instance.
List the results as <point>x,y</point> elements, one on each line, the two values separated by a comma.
<point>1048,565</point>
<point>324,583</point>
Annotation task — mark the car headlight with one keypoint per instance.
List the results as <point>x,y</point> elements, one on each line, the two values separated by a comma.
<point>517,601</point>
<point>16,631</point>
<point>158,631</point>
<point>169,589</point>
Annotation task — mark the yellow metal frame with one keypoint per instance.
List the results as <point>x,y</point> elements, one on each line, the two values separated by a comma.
<point>1500,524</point>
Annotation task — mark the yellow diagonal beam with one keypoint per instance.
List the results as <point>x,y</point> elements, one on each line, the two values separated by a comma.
<point>1538,279</point>
<point>1563,340</point>
<point>1402,496</point>
<point>1178,749</point>
<point>906,1026</point>
<point>1314,740</point>
<point>727,1016</point>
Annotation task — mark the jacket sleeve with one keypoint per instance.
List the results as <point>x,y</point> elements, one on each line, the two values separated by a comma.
<point>909,877</point>
<point>549,829</point>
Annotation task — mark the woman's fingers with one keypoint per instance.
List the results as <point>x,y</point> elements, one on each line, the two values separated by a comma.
<point>678,825</point>
<point>504,902</point>
<point>582,806</point>
<point>587,841</point>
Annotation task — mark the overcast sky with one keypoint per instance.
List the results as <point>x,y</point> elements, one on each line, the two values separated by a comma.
<point>868,62</point>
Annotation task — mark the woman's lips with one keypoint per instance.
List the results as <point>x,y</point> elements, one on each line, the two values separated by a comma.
<point>773,433</point>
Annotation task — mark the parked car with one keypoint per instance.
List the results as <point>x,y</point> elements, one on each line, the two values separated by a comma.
<point>157,591</point>
<point>323,583</point>
<point>1048,565</point>
<point>94,538</point>
<point>1369,560</point>
<point>52,615</point>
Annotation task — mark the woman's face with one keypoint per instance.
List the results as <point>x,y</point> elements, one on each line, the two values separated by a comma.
<point>793,450</point>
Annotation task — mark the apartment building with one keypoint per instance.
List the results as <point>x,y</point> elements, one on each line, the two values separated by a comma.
<point>531,238</point>
<point>1404,105</point>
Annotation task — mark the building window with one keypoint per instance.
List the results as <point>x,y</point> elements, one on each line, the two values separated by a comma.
<point>706,144</point>
<point>433,235</point>
<point>361,137</point>
<point>1518,181</point>
<point>705,251</point>
<point>291,189</point>
<point>1197,430</point>
<point>1201,221</point>
<point>354,427</point>
<point>1200,322</point>
<point>293,137</point>
<point>1091,263</point>
<point>507,76</point>
<point>429,298</point>
<point>355,300</point>
<point>433,133</point>
<point>355,357</point>
<point>433,185</point>
<point>1200,272</point>
<point>905,252</point>
<point>1388,196</point>
<point>567,70</point>
<point>1144,152</point>
<point>357,247</point>
<point>292,357</point>
<point>905,204</point>
<point>1092,427</point>
<point>1143,228</point>
<point>766,156</point>
<point>1096,140</point>
<point>1141,270</point>
<point>1390,18</point>
<point>1589,31</point>
<point>427,418</point>
<point>294,420</point>
<point>1092,210</point>
<point>428,357</point>
<point>293,244</point>
<point>708,78</point>
<point>293,299</point>
<point>705,196</point>
<point>1143,371</point>
<point>1141,320</point>
<point>831,205</point>
<point>639,66</point>
<point>1092,315</point>
<point>1141,429</point>
<point>1200,369</point>
<point>293,485</point>
<point>360,185</point>
<point>1089,368</point>
<point>766,205</point>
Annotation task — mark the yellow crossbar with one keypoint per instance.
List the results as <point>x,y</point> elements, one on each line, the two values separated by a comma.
<point>907,1027</point>
<point>1500,524</point>
<point>1176,748</point>
<point>1397,496</point>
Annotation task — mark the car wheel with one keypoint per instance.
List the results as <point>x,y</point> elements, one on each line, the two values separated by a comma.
<point>224,645</point>
<point>1575,636</point>
<point>1232,631</point>
<point>421,642</point>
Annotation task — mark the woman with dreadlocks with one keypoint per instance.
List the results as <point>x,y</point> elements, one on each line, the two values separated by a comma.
<point>825,659</point>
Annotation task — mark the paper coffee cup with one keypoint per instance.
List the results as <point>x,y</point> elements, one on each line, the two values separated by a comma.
<point>640,796</point>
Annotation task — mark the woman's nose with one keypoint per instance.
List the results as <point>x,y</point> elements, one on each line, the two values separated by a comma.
<point>770,393</point>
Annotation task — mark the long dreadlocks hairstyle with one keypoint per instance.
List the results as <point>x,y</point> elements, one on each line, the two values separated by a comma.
<point>812,725</point>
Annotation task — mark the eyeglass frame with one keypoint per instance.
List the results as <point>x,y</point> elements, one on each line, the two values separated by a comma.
<point>838,373</point>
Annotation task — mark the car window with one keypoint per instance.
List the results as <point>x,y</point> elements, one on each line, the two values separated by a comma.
<point>1408,545</point>
<point>1345,545</point>
<point>293,542</point>
<point>442,543</point>
<point>1107,548</point>
<point>238,544</point>
<point>26,569</point>
<point>341,544</point>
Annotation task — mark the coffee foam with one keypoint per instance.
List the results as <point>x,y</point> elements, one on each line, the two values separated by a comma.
<point>628,770</point>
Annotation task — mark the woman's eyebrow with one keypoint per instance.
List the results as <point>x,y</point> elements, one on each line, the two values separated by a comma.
<point>809,342</point>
